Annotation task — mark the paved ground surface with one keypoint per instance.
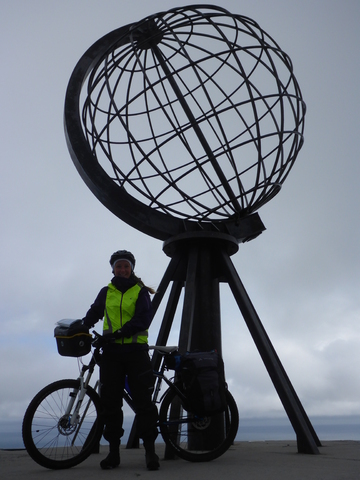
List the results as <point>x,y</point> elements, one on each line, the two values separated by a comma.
<point>338,460</point>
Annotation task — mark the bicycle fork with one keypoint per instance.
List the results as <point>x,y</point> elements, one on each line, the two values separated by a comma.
<point>71,415</point>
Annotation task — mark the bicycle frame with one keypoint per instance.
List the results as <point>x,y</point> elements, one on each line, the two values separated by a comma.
<point>84,382</point>
<point>159,374</point>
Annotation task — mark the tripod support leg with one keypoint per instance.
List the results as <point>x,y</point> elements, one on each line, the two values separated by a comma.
<point>307,439</point>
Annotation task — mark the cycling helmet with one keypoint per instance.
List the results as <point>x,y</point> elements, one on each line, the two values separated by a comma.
<point>122,255</point>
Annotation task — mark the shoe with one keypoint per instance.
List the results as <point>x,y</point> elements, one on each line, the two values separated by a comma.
<point>152,461</point>
<point>111,461</point>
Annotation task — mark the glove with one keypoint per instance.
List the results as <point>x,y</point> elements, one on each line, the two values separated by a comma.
<point>118,334</point>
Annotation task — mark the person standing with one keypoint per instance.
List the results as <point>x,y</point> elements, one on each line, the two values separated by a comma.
<point>125,307</point>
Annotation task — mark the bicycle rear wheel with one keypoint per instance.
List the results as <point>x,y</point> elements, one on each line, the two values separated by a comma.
<point>193,438</point>
<point>50,437</point>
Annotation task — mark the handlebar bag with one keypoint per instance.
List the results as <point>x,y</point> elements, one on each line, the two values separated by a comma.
<point>72,338</point>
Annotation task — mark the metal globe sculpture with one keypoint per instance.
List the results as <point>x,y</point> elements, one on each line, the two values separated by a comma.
<point>187,120</point>
<point>183,125</point>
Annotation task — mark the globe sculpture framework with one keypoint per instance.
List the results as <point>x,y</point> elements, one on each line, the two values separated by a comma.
<point>192,118</point>
<point>183,125</point>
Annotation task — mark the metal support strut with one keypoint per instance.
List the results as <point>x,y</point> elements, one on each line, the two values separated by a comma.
<point>199,262</point>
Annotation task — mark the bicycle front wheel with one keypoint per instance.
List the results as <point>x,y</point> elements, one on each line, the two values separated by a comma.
<point>194,438</point>
<point>56,438</point>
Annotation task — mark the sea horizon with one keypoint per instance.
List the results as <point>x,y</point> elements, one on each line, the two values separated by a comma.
<point>251,429</point>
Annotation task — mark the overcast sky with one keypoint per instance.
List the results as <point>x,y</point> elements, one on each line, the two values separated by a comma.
<point>302,273</point>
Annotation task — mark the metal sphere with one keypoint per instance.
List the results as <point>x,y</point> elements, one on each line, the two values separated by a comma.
<point>189,119</point>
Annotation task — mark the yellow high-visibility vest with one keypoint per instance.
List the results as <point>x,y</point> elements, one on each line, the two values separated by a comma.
<point>119,309</point>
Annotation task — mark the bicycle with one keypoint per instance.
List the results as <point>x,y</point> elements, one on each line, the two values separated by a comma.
<point>63,423</point>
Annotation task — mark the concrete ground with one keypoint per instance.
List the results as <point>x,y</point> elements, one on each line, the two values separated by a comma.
<point>271,460</point>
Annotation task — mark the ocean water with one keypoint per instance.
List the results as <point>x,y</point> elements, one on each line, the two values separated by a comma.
<point>250,429</point>
<point>326,428</point>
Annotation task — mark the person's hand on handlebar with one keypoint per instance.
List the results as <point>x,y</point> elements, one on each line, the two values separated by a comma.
<point>101,340</point>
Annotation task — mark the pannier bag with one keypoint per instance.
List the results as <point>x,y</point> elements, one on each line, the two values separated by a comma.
<point>203,381</point>
<point>73,338</point>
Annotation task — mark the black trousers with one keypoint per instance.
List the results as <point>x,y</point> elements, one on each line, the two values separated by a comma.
<point>117,364</point>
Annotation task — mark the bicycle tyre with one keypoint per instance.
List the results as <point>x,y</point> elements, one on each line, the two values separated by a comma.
<point>49,439</point>
<point>193,438</point>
